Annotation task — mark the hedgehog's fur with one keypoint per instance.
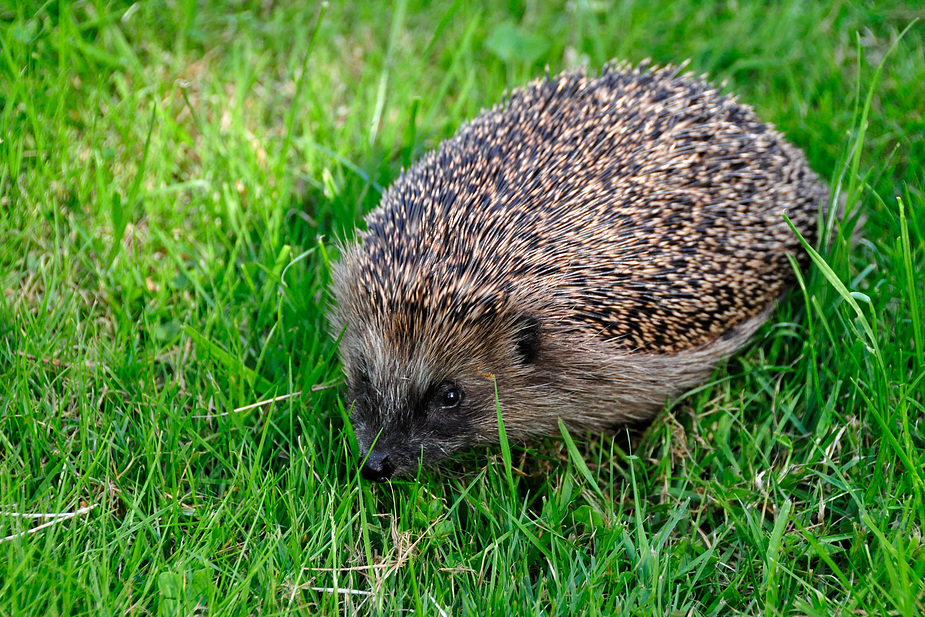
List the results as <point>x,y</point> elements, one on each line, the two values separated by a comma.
<point>594,244</point>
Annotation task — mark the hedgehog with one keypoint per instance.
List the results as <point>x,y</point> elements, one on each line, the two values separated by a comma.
<point>586,250</point>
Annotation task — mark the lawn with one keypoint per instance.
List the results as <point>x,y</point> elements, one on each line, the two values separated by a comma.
<point>173,176</point>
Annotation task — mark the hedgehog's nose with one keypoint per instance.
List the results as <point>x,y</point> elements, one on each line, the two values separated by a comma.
<point>378,467</point>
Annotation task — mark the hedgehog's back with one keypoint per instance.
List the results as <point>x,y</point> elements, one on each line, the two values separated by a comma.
<point>640,205</point>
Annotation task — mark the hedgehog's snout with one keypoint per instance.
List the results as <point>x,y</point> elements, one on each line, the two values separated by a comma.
<point>377,467</point>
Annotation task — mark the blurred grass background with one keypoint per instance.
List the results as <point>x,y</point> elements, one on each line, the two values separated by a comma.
<point>172,175</point>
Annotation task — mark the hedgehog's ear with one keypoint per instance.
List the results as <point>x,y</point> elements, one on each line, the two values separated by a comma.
<point>527,338</point>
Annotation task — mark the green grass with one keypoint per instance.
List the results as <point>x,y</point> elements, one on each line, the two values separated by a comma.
<point>162,164</point>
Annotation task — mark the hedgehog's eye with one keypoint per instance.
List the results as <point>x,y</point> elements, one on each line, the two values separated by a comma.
<point>451,396</point>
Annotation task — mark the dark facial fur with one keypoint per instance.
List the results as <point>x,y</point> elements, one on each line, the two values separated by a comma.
<point>594,245</point>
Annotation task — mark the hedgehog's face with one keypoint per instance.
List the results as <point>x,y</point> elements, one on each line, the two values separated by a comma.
<point>417,408</point>
<point>404,421</point>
